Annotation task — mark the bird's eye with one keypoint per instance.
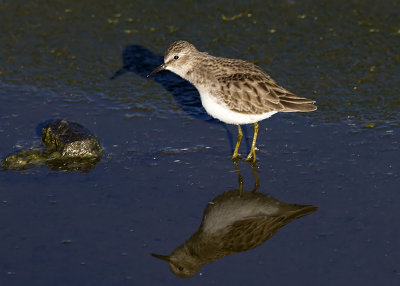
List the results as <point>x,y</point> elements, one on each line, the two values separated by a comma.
<point>180,268</point>
<point>176,57</point>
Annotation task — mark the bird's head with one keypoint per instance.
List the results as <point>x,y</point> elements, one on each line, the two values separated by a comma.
<point>177,58</point>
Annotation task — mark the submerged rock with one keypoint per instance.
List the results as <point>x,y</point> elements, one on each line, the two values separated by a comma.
<point>67,146</point>
<point>70,139</point>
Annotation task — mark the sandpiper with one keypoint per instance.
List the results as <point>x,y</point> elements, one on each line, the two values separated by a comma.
<point>231,90</point>
<point>235,221</point>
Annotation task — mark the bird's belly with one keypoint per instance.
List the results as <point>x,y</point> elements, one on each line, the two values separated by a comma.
<point>223,113</point>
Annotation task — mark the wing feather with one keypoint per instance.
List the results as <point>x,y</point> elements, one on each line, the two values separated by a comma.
<point>254,91</point>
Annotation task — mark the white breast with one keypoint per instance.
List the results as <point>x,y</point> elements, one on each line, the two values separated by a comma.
<point>222,112</point>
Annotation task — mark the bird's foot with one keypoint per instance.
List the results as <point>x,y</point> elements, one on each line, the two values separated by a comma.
<point>252,156</point>
<point>235,156</point>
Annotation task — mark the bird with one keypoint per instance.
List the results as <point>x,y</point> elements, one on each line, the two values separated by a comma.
<point>235,221</point>
<point>232,90</point>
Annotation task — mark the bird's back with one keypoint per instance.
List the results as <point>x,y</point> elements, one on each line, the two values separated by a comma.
<point>253,231</point>
<point>246,88</point>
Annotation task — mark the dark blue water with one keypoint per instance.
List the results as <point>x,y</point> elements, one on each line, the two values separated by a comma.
<point>165,159</point>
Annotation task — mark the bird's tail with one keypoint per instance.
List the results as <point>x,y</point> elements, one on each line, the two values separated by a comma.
<point>294,103</point>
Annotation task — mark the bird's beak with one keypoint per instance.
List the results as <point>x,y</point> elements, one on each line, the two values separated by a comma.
<point>162,257</point>
<point>158,69</point>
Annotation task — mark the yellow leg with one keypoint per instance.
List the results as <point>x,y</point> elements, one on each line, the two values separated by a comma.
<point>252,154</point>
<point>256,181</point>
<point>239,177</point>
<point>239,138</point>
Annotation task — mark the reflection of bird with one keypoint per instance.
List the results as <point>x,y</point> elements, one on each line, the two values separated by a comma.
<point>233,91</point>
<point>234,221</point>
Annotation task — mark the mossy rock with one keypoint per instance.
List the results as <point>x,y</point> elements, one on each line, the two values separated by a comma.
<point>67,146</point>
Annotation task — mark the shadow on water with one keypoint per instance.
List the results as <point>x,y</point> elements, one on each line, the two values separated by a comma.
<point>235,221</point>
<point>141,61</point>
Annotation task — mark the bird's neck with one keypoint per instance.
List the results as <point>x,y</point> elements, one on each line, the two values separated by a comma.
<point>203,248</point>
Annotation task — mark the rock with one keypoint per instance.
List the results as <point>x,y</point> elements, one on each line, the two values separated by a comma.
<point>67,146</point>
<point>70,139</point>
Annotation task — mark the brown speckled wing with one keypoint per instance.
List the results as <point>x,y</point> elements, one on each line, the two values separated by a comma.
<point>252,232</point>
<point>249,93</point>
<point>257,93</point>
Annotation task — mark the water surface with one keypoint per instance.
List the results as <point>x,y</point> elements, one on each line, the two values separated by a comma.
<point>165,159</point>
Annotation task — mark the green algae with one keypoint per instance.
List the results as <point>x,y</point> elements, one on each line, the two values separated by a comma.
<point>66,146</point>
